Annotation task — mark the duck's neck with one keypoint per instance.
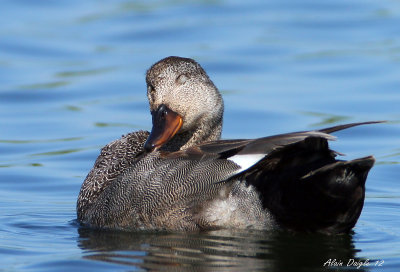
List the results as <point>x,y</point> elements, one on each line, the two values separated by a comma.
<point>203,133</point>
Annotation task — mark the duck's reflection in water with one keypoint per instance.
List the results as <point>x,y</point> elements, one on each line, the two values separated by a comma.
<point>221,250</point>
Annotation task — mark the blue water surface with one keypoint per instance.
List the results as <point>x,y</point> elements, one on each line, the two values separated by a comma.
<point>72,80</point>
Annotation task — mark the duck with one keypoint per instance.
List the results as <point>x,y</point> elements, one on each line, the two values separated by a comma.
<point>181,176</point>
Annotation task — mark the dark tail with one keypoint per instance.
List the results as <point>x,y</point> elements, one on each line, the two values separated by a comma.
<point>335,196</point>
<point>307,189</point>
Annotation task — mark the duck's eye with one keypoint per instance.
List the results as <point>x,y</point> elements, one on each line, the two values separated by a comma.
<point>163,114</point>
<point>181,79</point>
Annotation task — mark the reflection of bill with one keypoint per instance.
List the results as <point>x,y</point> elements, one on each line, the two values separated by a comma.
<point>353,263</point>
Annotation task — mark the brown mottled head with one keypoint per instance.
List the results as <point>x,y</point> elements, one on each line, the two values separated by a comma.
<point>182,99</point>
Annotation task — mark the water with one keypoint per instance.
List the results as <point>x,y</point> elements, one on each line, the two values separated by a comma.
<point>72,80</point>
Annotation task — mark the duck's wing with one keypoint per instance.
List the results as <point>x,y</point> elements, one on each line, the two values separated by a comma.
<point>306,188</point>
<point>346,126</point>
<point>299,179</point>
<point>254,150</point>
<point>113,160</point>
<point>267,144</point>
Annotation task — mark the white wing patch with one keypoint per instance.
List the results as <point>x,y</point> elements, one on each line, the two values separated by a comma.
<point>246,161</point>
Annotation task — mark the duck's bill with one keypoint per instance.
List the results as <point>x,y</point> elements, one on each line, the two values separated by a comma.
<point>166,123</point>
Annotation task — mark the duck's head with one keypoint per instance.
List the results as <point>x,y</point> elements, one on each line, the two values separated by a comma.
<point>185,105</point>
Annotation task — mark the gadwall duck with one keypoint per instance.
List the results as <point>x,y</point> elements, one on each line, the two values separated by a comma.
<point>181,176</point>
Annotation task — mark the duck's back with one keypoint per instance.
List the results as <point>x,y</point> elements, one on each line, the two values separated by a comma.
<point>187,190</point>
